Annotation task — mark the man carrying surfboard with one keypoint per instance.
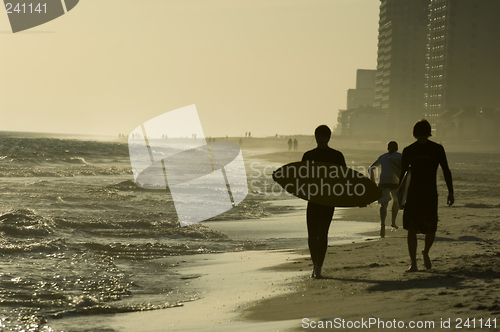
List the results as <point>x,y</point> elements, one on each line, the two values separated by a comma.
<point>319,217</point>
<point>389,182</point>
<point>420,211</point>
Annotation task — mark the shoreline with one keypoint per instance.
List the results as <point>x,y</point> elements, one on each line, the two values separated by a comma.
<point>364,279</point>
<point>253,275</point>
<point>368,280</point>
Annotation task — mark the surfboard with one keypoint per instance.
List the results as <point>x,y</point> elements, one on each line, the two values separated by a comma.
<point>402,193</point>
<point>327,184</point>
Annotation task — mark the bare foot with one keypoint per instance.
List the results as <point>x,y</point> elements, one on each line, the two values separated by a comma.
<point>317,272</point>
<point>427,260</point>
<point>412,269</point>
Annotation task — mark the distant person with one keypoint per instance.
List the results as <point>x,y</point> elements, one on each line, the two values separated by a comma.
<point>246,134</point>
<point>319,217</point>
<point>249,134</point>
<point>421,209</point>
<point>290,143</point>
<point>295,144</point>
<point>389,183</point>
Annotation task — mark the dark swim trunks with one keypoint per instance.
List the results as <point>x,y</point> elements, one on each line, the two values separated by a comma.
<point>421,209</point>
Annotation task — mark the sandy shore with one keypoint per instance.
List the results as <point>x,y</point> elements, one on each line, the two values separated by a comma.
<point>272,291</point>
<point>226,284</point>
<point>368,280</point>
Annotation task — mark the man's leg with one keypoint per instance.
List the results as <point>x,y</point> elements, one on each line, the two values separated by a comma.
<point>412,249</point>
<point>322,243</point>
<point>318,224</point>
<point>383,215</point>
<point>312,235</point>
<point>395,208</point>
<point>429,240</point>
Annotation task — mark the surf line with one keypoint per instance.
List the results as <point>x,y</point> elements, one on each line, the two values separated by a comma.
<point>311,171</point>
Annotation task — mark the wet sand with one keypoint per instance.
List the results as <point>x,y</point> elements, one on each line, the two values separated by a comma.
<point>364,280</point>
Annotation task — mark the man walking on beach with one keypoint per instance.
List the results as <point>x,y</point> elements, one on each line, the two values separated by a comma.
<point>421,208</point>
<point>389,183</point>
<point>319,217</point>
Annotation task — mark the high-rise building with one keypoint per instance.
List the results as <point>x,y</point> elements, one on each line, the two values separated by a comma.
<point>463,69</point>
<point>364,94</point>
<point>402,48</point>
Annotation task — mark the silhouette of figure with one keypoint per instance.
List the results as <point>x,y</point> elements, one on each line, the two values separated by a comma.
<point>319,217</point>
<point>290,143</point>
<point>421,208</point>
<point>246,133</point>
<point>389,183</point>
<point>295,144</point>
<point>249,134</point>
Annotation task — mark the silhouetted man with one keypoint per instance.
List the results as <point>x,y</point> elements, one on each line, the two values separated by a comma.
<point>421,209</point>
<point>319,217</point>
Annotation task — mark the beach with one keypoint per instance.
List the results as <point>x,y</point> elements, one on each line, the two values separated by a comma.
<point>85,250</point>
<point>365,281</point>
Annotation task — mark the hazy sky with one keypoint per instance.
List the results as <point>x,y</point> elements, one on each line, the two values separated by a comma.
<point>265,66</point>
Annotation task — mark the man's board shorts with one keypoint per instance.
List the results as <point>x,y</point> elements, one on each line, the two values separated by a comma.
<point>388,190</point>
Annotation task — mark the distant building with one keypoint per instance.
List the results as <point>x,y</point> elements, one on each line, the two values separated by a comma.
<point>469,123</point>
<point>364,94</point>
<point>463,68</point>
<point>365,121</point>
<point>402,48</point>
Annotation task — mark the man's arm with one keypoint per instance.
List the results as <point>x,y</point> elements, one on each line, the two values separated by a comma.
<point>447,176</point>
<point>372,168</point>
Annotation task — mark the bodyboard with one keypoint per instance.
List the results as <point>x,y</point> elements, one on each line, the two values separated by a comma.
<point>327,184</point>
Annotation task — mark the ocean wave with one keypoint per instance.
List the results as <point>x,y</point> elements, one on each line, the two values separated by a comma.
<point>42,150</point>
<point>114,309</point>
<point>10,246</point>
<point>24,222</point>
<point>129,185</point>
<point>75,160</point>
<point>64,171</point>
